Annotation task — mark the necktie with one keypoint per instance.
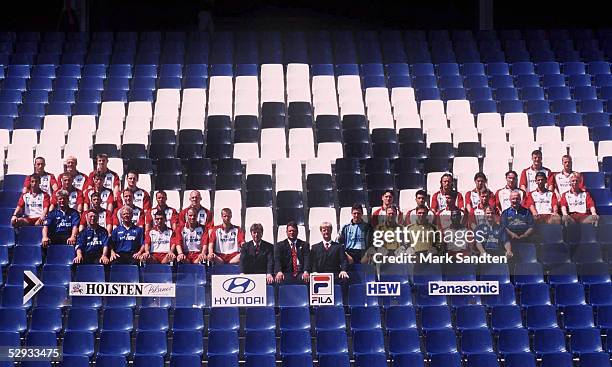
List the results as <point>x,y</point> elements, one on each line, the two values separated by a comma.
<point>326,246</point>
<point>256,249</point>
<point>294,260</point>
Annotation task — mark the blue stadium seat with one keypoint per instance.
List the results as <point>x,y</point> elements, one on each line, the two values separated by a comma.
<point>260,318</point>
<point>56,274</point>
<point>476,341</point>
<point>569,294</point>
<point>585,341</point>
<point>294,342</point>
<point>60,255</point>
<point>105,360</point>
<point>513,341</point>
<point>506,296</point>
<point>27,255</point>
<point>82,319</point>
<point>404,342</point>
<point>29,236</point>
<point>46,319</point>
<point>13,319</point>
<point>78,343</point>
<point>595,359</point>
<point>368,342</point>
<point>188,319</point>
<point>117,319</point>
<point>294,318</point>
<point>191,274</point>
<point>293,296</point>
<point>331,360</point>
<point>150,343</point>
<point>535,294</point>
<point>505,317</point>
<point>577,317</point>
<point>441,341</point>
<point>330,318</point>
<point>445,359</point>
<point>297,360</point>
<point>540,317</point>
<point>528,273</point>
<point>225,318</point>
<point>365,318</point>
<point>604,317</point>
<point>188,342</point>
<point>181,360</point>
<point>470,317</point>
<point>548,341</point>
<point>153,318</point>
<point>222,343</point>
<point>114,343</point>
<point>260,342</point>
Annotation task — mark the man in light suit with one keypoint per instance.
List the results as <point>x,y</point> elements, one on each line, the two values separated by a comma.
<point>257,255</point>
<point>328,256</point>
<point>291,257</point>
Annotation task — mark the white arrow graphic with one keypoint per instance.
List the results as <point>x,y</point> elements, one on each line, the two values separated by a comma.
<point>31,285</point>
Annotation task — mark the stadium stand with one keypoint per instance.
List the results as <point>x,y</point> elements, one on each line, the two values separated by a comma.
<point>299,126</point>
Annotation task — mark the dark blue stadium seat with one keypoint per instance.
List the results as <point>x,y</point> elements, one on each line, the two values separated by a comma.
<point>441,341</point>
<point>535,294</point>
<point>404,342</point>
<point>114,343</point>
<point>549,341</point>
<point>260,342</point>
<point>188,342</point>
<point>117,319</point>
<point>505,317</point>
<point>585,341</point>
<point>295,342</point>
<point>294,318</point>
<point>513,341</point>
<point>82,319</point>
<point>150,343</point>
<point>78,343</point>
<point>105,360</point>
<point>595,359</point>
<point>222,343</point>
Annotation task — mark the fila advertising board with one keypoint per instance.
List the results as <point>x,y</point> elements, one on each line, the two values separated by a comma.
<point>322,289</point>
<point>238,290</point>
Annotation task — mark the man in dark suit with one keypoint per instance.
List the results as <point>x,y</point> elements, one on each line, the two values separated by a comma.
<point>257,256</point>
<point>291,257</point>
<point>328,256</point>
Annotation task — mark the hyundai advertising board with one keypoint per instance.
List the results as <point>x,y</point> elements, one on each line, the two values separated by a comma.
<point>238,290</point>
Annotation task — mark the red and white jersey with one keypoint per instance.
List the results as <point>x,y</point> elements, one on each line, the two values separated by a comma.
<point>476,216</point>
<point>543,201</point>
<point>378,216</point>
<point>170,214</point>
<point>226,242</point>
<point>438,201</point>
<point>47,181</point>
<point>158,240</point>
<point>111,179</point>
<point>75,198</point>
<point>528,177</point>
<point>193,240</point>
<point>502,198</point>
<point>79,180</point>
<point>142,199</point>
<point>105,217</point>
<point>577,202</point>
<point>411,216</point>
<point>138,217</point>
<point>34,204</point>
<point>561,182</point>
<point>204,217</point>
<point>473,198</point>
<point>443,219</point>
<point>106,197</point>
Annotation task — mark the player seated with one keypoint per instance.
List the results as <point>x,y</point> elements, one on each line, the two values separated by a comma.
<point>225,240</point>
<point>476,216</point>
<point>542,202</point>
<point>92,242</point>
<point>203,215</point>
<point>472,198</point>
<point>443,218</point>
<point>421,200</point>
<point>191,239</point>
<point>438,200</point>
<point>126,240</point>
<point>527,181</point>
<point>110,178</point>
<point>46,180</point>
<point>138,215</point>
<point>33,205</point>
<point>455,236</point>
<point>70,168</point>
<point>107,198</point>
<point>104,217</point>
<point>559,182</point>
<point>502,196</point>
<point>158,244</point>
<point>378,214</point>
<point>487,237</point>
<point>142,199</point>
<point>62,224</point>
<point>169,213</point>
<point>577,205</point>
<point>75,196</point>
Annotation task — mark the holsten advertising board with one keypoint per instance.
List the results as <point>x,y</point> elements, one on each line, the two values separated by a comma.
<point>122,289</point>
<point>238,290</point>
